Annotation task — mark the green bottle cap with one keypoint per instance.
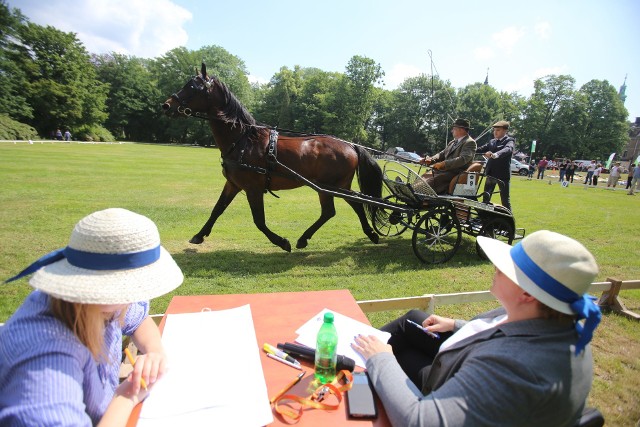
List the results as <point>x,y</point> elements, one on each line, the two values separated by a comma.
<point>328,317</point>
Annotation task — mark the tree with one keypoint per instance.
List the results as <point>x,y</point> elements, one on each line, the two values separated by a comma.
<point>131,111</point>
<point>13,79</point>
<point>355,97</point>
<point>62,85</point>
<point>418,114</point>
<point>551,93</point>
<point>604,127</point>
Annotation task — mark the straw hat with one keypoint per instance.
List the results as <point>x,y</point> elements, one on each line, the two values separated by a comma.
<point>113,257</point>
<point>553,268</point>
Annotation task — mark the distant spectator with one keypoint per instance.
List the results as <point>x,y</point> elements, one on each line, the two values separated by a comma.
<point>614,175</point>
<point>630,176</point>
<point>590,169</point>
<point>635,181</point>
<point>571,170</point>
<point>562,168</point>
<point>532,169</point>
<point>542,165</point>
<point>67,135</point>
<point>596,174</point>
<point>58,134</point>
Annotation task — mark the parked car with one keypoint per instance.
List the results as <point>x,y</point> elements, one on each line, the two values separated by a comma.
<point>519,168</point>
<point>409,156</point>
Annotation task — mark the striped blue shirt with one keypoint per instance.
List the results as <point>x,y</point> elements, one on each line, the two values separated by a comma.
<point>47,376</point>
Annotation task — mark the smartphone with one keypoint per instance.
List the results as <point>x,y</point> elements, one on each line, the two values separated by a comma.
<point>360,398</point>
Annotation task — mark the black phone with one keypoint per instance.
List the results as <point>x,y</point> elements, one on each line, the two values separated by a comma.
<point>360,398</point>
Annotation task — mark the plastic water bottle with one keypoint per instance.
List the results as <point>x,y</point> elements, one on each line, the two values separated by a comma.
<point>326,350</point>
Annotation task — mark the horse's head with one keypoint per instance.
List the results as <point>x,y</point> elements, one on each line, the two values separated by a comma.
<point>192,99</point>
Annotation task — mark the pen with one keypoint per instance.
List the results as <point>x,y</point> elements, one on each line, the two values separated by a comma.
<point>143,383</point>
<point>277,352</point>
<point>428,332</point>
<point>295,381</point>
<point>286,362</point>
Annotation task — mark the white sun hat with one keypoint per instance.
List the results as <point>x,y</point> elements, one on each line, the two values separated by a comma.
<point>553,268</point>
<point>113,257</point>
<point>544,263</point>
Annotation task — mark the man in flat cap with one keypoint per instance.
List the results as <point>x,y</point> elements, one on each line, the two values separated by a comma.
<point>498,153</point>
<point>453,160</point>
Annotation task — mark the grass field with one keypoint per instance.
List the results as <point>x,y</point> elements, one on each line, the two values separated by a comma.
<point>46,188</point>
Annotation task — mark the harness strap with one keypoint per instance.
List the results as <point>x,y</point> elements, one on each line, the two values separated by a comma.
<point>286,404</point>
<point>272,159</point>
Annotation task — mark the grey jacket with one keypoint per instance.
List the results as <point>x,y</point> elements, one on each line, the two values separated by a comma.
<point>457,155</point>
<point>521,373</point>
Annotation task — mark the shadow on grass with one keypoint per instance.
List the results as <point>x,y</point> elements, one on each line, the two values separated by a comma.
<point>390,255</point>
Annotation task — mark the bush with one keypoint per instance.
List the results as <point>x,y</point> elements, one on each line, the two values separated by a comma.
<point>92,133</point>
<point>11,129</point>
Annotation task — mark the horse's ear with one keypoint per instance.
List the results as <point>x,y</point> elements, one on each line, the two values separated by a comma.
<point>203,70</point>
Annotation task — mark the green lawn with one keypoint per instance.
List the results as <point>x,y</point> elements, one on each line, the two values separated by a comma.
<point>47,188</point>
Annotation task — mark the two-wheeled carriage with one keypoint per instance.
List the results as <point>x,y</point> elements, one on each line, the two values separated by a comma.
<point>438,221</point>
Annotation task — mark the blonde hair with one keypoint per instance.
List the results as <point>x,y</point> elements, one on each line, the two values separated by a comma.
<point>87,322</point>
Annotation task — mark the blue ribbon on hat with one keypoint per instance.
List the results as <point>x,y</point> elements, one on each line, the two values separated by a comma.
<point>582,305</point>
<point>93,261</point>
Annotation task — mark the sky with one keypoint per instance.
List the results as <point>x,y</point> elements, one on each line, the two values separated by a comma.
<point>516,42</point>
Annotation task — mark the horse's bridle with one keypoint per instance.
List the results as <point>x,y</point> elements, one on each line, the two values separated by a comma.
<point>182,108</point>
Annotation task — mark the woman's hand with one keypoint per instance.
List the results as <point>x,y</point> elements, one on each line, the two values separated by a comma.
<point>436,323</point>
<point>367,346</point>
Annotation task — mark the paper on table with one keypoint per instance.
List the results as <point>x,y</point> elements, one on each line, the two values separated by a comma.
<point>206,384</point>
<point>347,329</point>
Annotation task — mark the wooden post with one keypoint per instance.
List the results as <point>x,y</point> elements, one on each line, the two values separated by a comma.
<point>610,300</point>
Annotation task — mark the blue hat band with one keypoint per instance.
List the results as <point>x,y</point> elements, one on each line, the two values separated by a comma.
<point>93,261</point>
<point>540,277</point>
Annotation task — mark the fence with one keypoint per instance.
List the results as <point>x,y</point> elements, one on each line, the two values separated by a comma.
<point>609,300</point>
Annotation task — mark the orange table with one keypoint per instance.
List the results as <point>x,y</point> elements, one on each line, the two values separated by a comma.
<point>276,316</point>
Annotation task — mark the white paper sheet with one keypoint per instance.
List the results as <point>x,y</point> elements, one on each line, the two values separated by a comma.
<point>347,329</point>
<point>215,375</point>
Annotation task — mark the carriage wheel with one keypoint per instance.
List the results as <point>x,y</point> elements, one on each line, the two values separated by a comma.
<point>436,236</point>
<point>496,228</point>
<point>388,222</point>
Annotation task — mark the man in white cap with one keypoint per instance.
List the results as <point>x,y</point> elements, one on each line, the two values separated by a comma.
<point>498,153</point>
<point>526,364</point>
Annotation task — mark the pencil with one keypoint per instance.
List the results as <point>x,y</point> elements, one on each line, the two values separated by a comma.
<point>295,381</point>
<point>143,383</point>
<point>286,362</point>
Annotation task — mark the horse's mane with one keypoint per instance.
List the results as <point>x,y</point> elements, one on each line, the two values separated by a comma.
<point>233,111</point>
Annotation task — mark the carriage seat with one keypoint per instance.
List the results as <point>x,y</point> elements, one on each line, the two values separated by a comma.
<point>462,177</point>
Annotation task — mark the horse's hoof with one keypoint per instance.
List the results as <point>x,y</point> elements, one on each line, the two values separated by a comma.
<point>302,243</point>
<point>374,238</point>
<point>196,240</point>
<point>286,245</point>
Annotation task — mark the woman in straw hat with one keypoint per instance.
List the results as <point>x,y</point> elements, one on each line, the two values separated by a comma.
<point>527,363</point>
<point>60,352</point>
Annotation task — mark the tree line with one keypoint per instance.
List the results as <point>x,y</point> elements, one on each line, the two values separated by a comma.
<point>49,81</point>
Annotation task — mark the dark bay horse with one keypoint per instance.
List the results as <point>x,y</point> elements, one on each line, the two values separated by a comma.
<point>253,163</point>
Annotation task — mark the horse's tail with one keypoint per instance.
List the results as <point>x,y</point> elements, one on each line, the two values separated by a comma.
<point>369,177</point>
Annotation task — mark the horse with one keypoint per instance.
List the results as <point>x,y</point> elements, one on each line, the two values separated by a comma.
<point>256,159</point>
